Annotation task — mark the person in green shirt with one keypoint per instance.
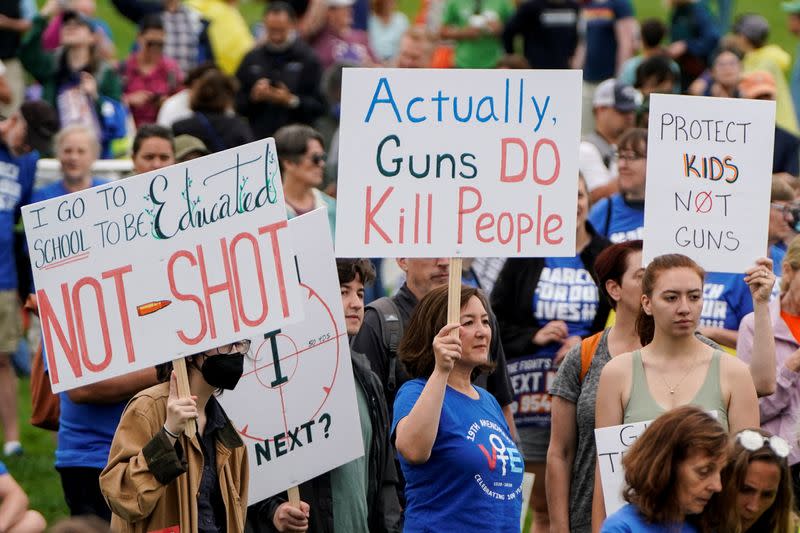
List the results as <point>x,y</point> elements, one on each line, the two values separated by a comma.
<point>476,26</point>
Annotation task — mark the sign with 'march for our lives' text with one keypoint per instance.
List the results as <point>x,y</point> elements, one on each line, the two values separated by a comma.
<point>709,175</point>
<point>448,163</point>
<point>161,265</point>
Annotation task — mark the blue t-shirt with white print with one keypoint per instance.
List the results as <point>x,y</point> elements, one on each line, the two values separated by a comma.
<point>726,300</point>
<point>473,478</point>
<point>618,220</point>
<point>16,182</point>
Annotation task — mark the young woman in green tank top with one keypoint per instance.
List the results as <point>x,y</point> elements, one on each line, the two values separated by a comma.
<point>675,368</point>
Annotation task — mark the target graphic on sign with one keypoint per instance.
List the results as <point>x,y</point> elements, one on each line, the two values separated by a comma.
<point>295,406</point>
<point>292,371</point>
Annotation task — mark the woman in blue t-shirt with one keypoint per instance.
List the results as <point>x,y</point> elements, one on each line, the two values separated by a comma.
<point>671,472</point>
<point>462,470</point>
<point>545,306</point>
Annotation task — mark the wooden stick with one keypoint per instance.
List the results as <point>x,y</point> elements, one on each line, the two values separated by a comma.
<point>294,496</point>
<point>454,293</point>
<point>179,366</point>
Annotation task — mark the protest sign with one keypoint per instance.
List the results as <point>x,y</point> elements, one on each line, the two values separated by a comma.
<point>162,265</point>
<point>449,163</point>
<point>295,406</point>
<point>709,171</point>
<point>612,443</point>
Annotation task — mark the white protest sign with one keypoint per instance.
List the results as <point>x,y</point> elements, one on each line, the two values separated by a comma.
<point>709,172</point>
<point>448,163</point>
<point>162,265</point>
<point>295,406</point>
<point>612,443</point>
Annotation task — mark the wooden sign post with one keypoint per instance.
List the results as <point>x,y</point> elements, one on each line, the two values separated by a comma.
<point>182,378</point>
<point>454,293</point>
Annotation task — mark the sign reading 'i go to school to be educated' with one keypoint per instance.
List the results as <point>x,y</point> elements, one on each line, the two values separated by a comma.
<point>161,265</point>
<point>709,172</point>
<point>448,163</point>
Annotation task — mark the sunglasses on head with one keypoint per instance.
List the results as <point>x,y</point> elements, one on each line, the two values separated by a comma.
<point>754,441</point>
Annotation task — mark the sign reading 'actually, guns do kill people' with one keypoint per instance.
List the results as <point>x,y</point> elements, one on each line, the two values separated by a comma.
<point>438,163</point>
<point>162,265</point>
<point>709,171</point>
<point>302,375</point>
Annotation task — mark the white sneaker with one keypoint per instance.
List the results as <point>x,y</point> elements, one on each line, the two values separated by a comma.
<point>13,447</point>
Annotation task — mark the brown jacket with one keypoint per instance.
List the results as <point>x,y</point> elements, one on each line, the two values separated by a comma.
<point>151,485</point>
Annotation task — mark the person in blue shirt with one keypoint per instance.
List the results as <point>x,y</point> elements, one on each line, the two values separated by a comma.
<point>463,471</point>
<point>89,414</point>
<point>22,136</point>
<point>15,517</point>
<point>620,217</point>
<point>671,472</point>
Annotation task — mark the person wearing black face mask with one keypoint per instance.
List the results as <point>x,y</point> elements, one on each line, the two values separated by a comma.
<point>280,78</point>
<point>158,476</point>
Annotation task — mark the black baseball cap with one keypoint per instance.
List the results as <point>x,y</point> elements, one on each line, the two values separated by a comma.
<point>42,124</point>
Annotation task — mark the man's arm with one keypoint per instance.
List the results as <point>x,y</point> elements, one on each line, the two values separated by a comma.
<point>624,31</point>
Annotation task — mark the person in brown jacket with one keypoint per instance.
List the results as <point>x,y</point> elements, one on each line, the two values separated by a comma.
<point>160,477</point>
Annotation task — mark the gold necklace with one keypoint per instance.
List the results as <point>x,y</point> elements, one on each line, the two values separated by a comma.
<point>672,389</point>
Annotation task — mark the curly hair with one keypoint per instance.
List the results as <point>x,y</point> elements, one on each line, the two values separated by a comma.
<point>653,462</point>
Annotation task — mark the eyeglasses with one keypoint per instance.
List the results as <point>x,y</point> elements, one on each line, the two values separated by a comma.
<point>154,44</point>
<point>227,349</point>
<point>318,158</point>
<point>628,156</point>
<point>783,208</point>
<point>754,441</point>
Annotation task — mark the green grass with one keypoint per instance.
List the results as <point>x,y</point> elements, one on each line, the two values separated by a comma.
<point>34,471</point>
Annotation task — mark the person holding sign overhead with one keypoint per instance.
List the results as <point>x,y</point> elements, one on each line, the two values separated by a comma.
<point>160,477</point>
<point>671,472</point>
<point>463,471</point>
<point>545,306</point>
<point>676,368</point>
<point>779,409</point>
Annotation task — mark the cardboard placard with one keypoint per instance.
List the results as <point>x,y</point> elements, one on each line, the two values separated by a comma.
<point>295,406</point>
<point>709,172</point>
<point>161,265</point>
<point>449,163</point>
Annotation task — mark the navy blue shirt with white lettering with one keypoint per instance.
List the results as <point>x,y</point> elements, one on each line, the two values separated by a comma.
<point>726,300</point>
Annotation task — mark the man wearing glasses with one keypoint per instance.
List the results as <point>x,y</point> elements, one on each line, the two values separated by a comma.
<point>302,159</point>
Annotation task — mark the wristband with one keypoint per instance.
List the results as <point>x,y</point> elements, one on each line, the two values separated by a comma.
<point>168,432</point>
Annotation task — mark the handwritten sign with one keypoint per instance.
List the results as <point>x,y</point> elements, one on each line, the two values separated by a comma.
<point>295,406</point>
<point>709,170</point>
<point>438,163</point>
<point>162,265</point>
<point>612,443</point>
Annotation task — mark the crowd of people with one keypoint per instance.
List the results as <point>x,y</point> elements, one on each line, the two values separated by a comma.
<point>453,412</point>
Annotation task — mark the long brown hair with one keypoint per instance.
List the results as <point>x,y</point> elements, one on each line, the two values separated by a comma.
<point>723,513</point>
<point>652,463</point>
<point>611,264</point>
<point>416,349</point>
<point>645,325</point>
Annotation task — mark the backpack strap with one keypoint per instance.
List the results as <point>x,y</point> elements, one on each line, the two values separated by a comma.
<point>392,331</point>
<point>588,349</point>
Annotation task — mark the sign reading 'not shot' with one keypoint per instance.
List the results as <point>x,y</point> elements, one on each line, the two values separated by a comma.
<point>709,172</point>
<point>444,163</point>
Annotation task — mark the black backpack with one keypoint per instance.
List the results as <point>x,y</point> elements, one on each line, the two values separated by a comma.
<point>392,331</point>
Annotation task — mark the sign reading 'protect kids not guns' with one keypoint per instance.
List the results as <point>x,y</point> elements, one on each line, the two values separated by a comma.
<point>448,163</point>
<point>709,171</point>
<point>162,265</point>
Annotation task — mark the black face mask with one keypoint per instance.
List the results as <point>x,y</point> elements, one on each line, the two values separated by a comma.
<point>223,371</point>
